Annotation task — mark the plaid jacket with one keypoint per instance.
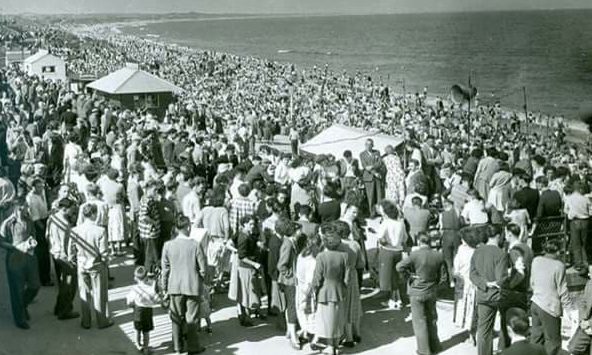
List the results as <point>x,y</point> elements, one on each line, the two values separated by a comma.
<point>149,218</point>
<point>240,207</point>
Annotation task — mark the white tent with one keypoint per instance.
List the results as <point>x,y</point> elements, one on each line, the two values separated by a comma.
<point>338,138</point>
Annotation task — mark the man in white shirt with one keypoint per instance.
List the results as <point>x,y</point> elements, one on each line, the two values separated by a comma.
<point>191,205</point>
<point>38,211</point>
<point>474,210</point>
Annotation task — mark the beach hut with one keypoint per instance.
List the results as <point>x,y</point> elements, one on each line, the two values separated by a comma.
<point>132,88</point>
<point>45,65</point>
<point>339,138</point>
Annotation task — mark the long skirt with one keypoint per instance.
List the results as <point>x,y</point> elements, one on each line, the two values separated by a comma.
<point>305,309</point>
<point>330,320</point>
<point>465,306</point>
<point>353,303</point>
<point>249,288</point>
<point>116,224</point>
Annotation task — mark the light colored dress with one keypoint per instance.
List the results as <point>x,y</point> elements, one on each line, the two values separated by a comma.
<point>465,303</point>
<point>395,179</point>
<point>305,309</point>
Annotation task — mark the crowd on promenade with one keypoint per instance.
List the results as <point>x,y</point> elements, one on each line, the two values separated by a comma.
<point>204,210</point>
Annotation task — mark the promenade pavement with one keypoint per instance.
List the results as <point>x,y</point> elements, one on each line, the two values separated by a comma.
<point>383,332</point>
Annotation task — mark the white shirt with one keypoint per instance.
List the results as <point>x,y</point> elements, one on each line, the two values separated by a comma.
<point>37,206</point>
<point>474,212</point>
<point>191,207</point>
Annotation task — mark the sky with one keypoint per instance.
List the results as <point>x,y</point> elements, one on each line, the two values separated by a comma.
<point>281,6</point>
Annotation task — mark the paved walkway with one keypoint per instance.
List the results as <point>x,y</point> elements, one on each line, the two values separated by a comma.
<point>384,331</point>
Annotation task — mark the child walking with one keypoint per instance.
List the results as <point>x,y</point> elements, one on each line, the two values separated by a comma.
<point>143,297</point>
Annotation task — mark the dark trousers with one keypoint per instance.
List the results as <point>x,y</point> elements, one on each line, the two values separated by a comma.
<point>290,294</point>
<point>450,243</point>
<point>578,232</point>
<point>424,318</point>
<point>23,283</point>
<point>294,145</point>
<point>545,330</point>
<point>166,230</point>
<point>42,252</point>
<point>486,319</point>
<point>151,259</point>
<point>579,344</point>
<point>184,313</point>
<point>374,194</point>
<point>66,276</point>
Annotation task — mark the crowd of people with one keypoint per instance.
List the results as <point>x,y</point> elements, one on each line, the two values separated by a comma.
<point>205,210</point>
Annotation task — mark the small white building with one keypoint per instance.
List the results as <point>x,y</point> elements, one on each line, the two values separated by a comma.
<point>45,65</point>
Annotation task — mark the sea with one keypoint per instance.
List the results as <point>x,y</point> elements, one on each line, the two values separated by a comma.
<point>546,55</point>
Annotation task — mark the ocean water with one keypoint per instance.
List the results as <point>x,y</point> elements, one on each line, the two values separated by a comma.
<point>548,52</point>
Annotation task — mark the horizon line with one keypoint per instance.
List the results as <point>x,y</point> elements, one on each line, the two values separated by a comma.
<point>294,14</point>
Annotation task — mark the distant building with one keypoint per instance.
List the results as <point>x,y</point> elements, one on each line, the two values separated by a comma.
<point>132,88</point>
<point>15,57</point>
<point>45,65</point>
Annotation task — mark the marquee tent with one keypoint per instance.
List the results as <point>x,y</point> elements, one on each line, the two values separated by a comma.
<point>338,138</point>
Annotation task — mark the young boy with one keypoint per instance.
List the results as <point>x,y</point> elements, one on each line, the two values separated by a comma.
<point>143,297</point>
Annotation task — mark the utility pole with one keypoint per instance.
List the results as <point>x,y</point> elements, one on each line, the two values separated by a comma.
<point>526,110</point>
<point>469,111</point>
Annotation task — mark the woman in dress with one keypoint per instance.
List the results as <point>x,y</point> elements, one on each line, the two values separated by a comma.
<point>329,285</point>
<point>392,240</point>
<point>248,287</point>
<point>395,176</point>
<point>305,267</point>
<point>353,302</point>
<point>286,266</point>
<point>465,291</point>
<point>215,221</point>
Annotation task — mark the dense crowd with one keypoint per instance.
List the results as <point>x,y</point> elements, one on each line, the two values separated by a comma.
<point>205,210</point>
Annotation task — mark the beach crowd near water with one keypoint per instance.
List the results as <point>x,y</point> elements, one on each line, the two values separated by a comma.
<point>208,207</point>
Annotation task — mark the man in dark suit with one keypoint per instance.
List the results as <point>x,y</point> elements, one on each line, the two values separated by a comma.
<point>422,268</point>
<point>183,272</point>
<point>373,176</point>
<point>518,329</point>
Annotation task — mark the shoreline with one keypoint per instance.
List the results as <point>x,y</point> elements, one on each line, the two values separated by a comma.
<point>575,130</point>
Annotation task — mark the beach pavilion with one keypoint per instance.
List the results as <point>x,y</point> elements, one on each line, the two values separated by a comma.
<point>132,88</point>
